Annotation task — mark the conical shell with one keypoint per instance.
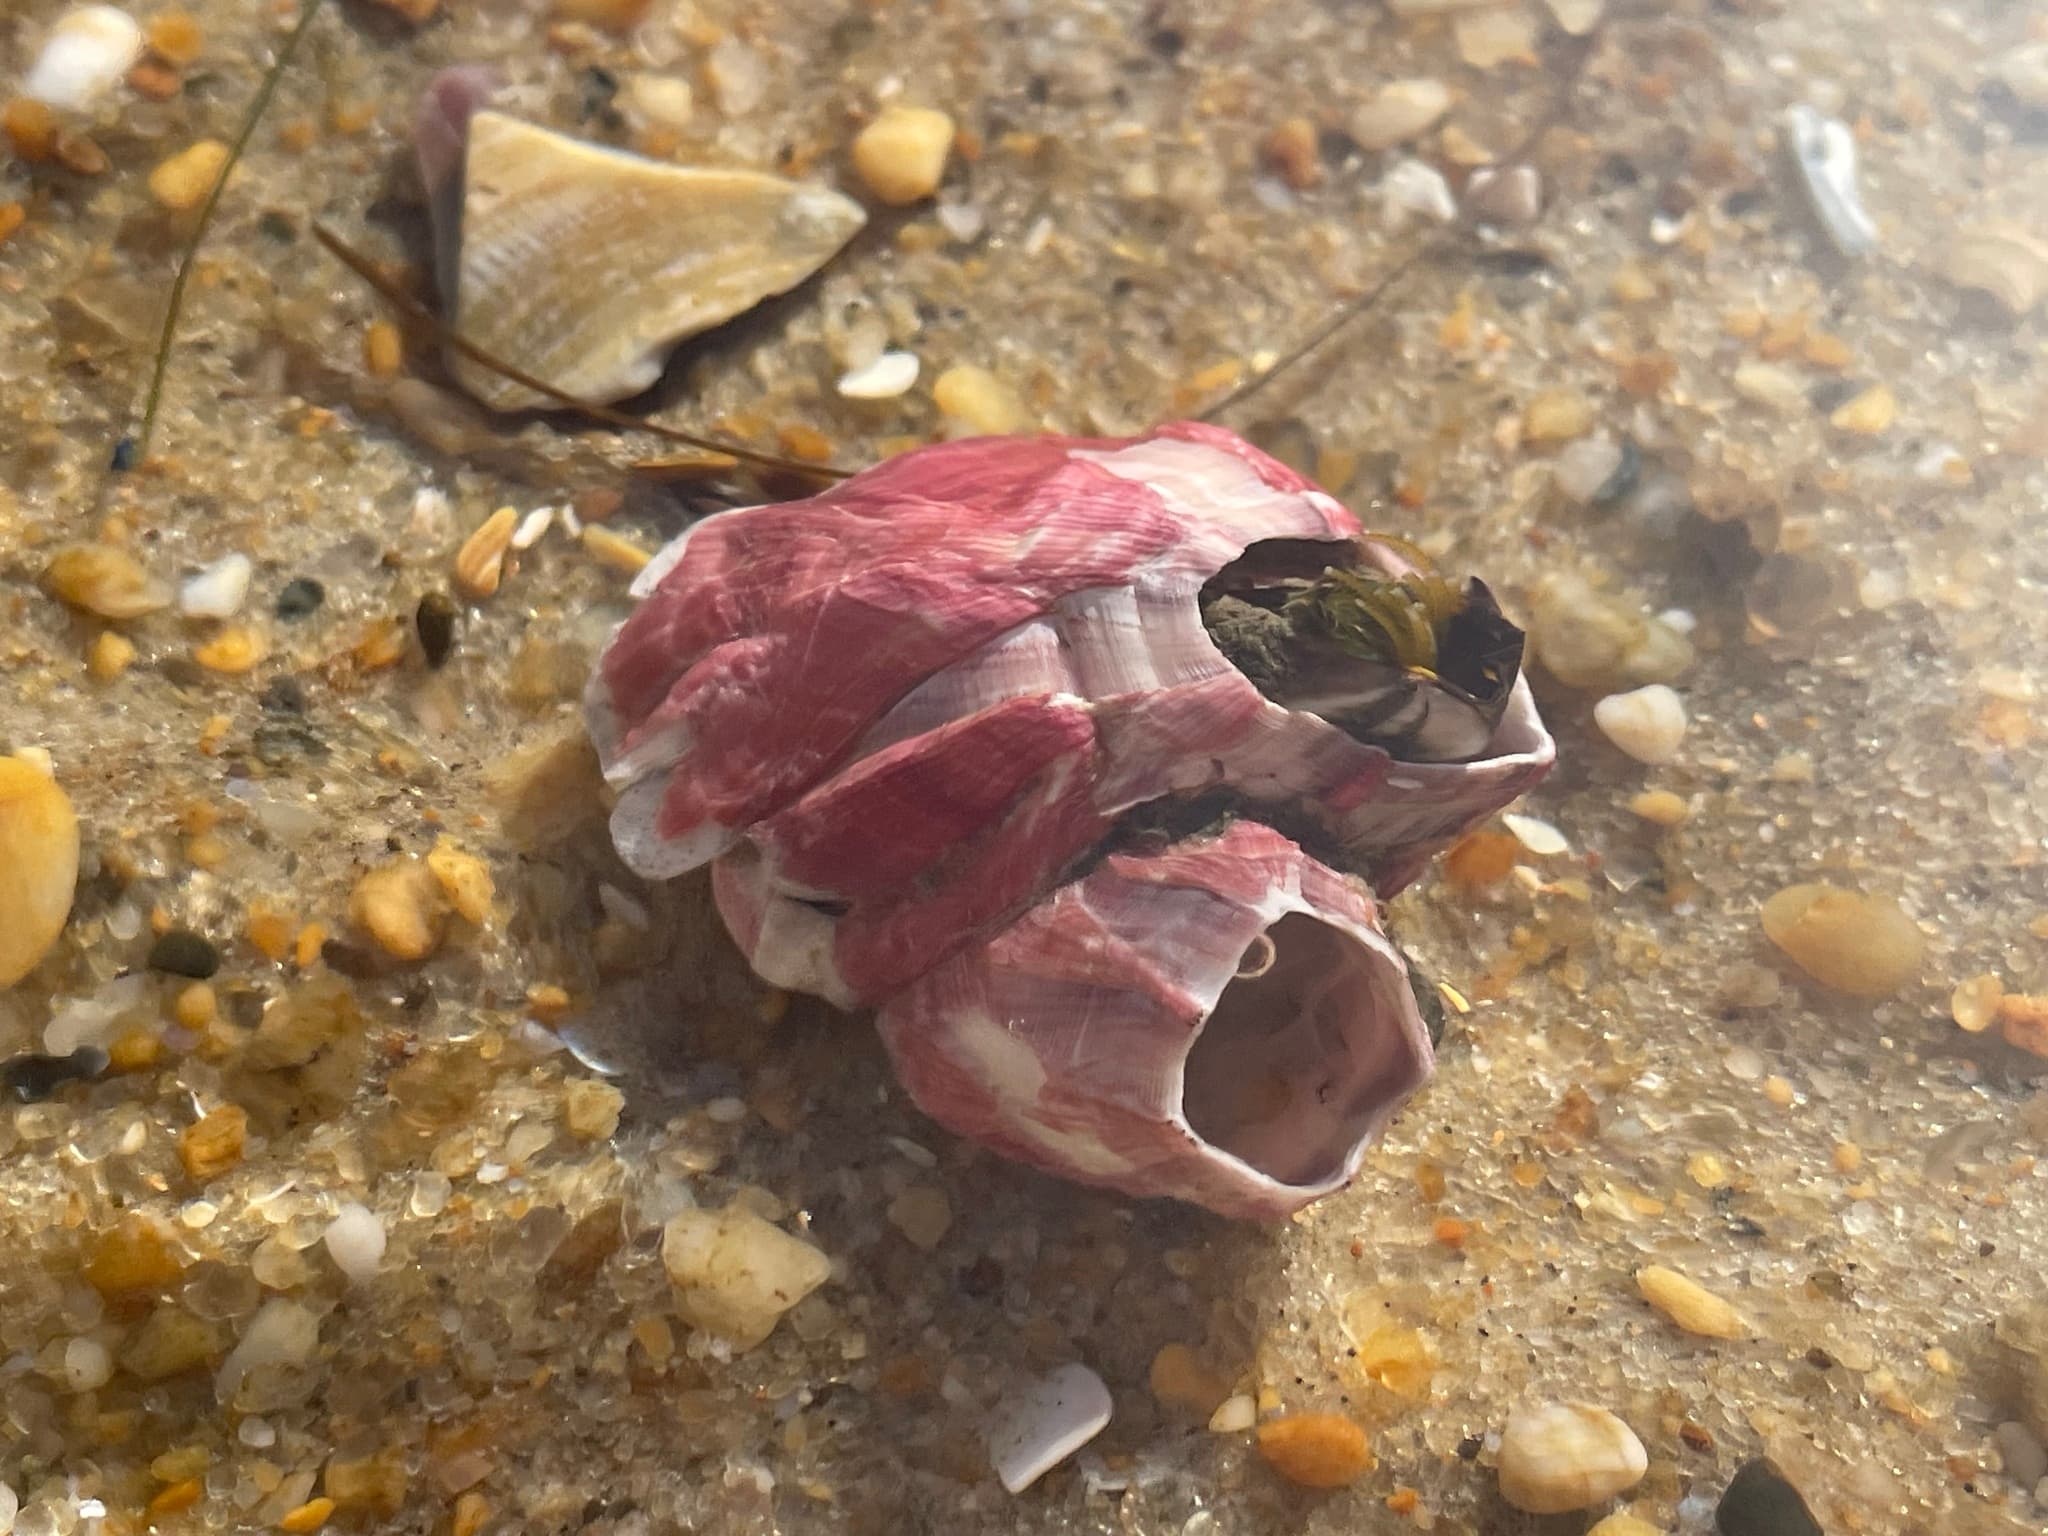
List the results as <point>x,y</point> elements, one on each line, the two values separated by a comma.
<point>583,266</point>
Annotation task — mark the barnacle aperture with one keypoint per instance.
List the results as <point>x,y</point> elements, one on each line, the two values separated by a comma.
<point>954,735</point>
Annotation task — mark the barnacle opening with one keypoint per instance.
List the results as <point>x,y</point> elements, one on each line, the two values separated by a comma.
<point>1411,663</point>
<point>1299,1059</point>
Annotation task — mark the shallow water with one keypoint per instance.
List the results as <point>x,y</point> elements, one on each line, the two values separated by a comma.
<point>1641,1076</point>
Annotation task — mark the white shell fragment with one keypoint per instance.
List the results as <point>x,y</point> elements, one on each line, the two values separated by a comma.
<point>583,266</point>
<point>1646,723</point>
<point>1539,837</point>
<point>355,1241</point>
<point>87,53</point>
<point>1824,154</point>
<point>217,591</point>
<point>885,378</point>
<point>1047,1421</point>
<point>1415,190</point>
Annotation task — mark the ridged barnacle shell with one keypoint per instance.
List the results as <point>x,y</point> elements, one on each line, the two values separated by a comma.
<point>914,719</point>
<point>2003,260</point>
<point>583,266</point>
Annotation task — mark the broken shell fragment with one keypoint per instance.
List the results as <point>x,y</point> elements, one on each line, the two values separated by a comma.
<point>1823,152</point>
<point>2003,260</point>
<point>998,737</point>
<point>583,266</point>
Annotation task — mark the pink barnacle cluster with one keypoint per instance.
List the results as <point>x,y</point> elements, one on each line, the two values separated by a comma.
<point>1067,757</point>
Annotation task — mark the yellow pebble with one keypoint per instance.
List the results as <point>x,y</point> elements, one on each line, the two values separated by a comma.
<point>233,651</point>
<point>465,880</point>
<point>901,155</point>
<point>1624,1524</point>
<point>979,400</point>
<point>1689,1304</point>
<point>471,1511</point>
<point>1974,1003</point>
<point>383,349</point>
<point>39,854</point>
<point>1868,414</point>
<point>309,1516</point>
<point>608,548</point>
<point>104,581</point>
<point>1848,1157</point>
<point>480,563</point>
<point>402,907</point>
<point>1557,415</point>
<point>1778,1091</point>
<point>182,182</point>
<point>1316,1450</point>
<point>212,1144</point>
<point>196,1006</point>
<point>109,656</point>
<point>1660,807</point>
<point>182,1494</point>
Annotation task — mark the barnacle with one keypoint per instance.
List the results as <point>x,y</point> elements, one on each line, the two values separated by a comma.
<point>1084,763</point>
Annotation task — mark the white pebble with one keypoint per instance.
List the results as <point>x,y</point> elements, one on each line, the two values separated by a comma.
<point>282,1333</point>
<point>1234,1415</point>
<point>1041,1426</point>
<point>87,53</point>
<point>1539,837</point>
<point>1646,723</point>
<point>533,527</point>
<point>883,379</point>
<point>1412,188</point>
<point>217,591</point>
<point>87,1365</point>
<point>1401,110</point>
<point>10,1506</point>
<point>963,221</point>
<point>355,1241</point>
<point>1585,466</point>
<point>1556,1457</point>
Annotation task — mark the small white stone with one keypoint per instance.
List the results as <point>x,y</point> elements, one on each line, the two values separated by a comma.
<point>355,1241</point>
<point>217,591</point>
<point>1646,723</point>
<point>533,527</point>
<point>1036,1429</point>
<point>662,100</point>
<point>1539,837</point>
<point>1412,189</point>
<point>885,378</point>
<point>10,1506</point>
<point>735,1274</point>
<point>1234,1415</point>
<point>282,1333</point>
<point>963,221</point>
<point>1556,1457</point>
<point>87,53</point>
<point>1586,465</point>
<point>87,1364</point>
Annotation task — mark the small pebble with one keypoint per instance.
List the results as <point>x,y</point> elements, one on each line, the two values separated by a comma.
<point>735,1274</point>
<point>1234,1415</point>
<point>611,15</point>
<point>434,621</point>
<point>181,952</point>
<point>1399,111</point>
<point>1557,1457</point>
<point>85,56</point>
<point>400,904</point>
<point>480,563</point>
<point>901,156</point>
<point>1316,1450</point>
<point>88,1365</point>
<point>979,401</point>
<point>103,581</point>
<point>922,1214</point>
<point>2026,1463</point>
<point>1660,806</point>
<point>1513,195</point>
<point>1867,414</point>
<point>355,1241</point>
<point>737,74</point>
<point>1584,469</point>
<point>1647,723</point>
<point>662,101</point>
<point>283,1334</point>
<point>217,591</point>
<point>184,180</point>
<point>1689,1304</point>
<point>1413,189</point>
<point>300,598</point>
<point>1625,1524</point>
<point>39,849</point>
<point>1974,1003</point>
<point>1761,1501</point>
<point>591,1108</point>
<point>212,1145</point>
<point>1556,416</point>
<point>888,376</point>
<point>1539,837</point>
<point>1179,1380</point>
<point>1575,18</point>
<point>1860,945</point>
<point>1036,1428</point>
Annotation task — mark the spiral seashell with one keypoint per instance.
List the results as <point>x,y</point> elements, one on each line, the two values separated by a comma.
<point>583,265</point>
<point>911,721</point>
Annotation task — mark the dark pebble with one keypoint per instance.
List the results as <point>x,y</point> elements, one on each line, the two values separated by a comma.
<point>300,597</point>
<point>284,696</point>
<point>1761,1501</point>
<point>435,621</point>
<point>32,1077</point>
<point>181,952</point>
